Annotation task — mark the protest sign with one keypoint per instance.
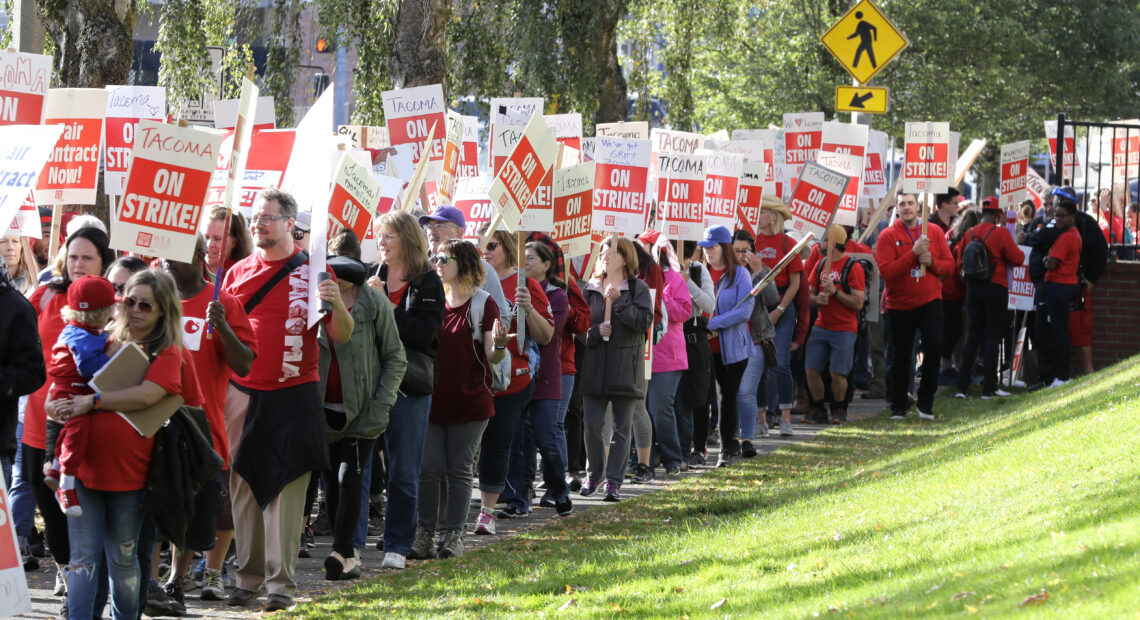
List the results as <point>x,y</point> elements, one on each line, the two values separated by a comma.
<point>226,112</point>
<point>802,135</point>
<point>410,114</point>
<point>511,111</point>
<point>264,167</point>
<point>238,154</point>
<point>318,263</point>
<point>773,142</point>
<point>523,171</point>
<point>567,129</point>
<point>126,106</point>
<point>165,190</point>
<point>364,136</point>
<point>24,81</point>
<point>1014,170</point>
<point>722,183</point>
<point>394,161</point>
<point>750,195</point>
<point>620,184</point>
<point>637,130</point>
<point>355,197</point>
<point>390,188</point>
<point>469,153</point>
<point>874,174</point>
<point>587,149</point>
<point>539,214</point>
<point>1036,187</point>
<point>927,164</point>
<point>843,148</point>
<point>1125,150</point>
<point>681,195</point>
<point>25,151</point>
<point>573,208</point>
<point>27,221</point>
<point>311,161</point>
<point>13,581</point>
<point>72,169</point>
<point>815,198</point>
<point>503,140</point>
<point>451,154</point>
<point>1021,288</point>
<point>473,199</point>
<point>779,169</point>
<point>669,141</point>
<point>952,157</point>
<point>1069,155</point>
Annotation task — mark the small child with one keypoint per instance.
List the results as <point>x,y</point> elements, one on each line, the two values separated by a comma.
<point>78,354</point>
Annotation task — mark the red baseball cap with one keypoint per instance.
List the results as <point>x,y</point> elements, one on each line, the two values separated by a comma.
<point>649,237</point>
<point>90,293</point>
<point>991,204</point>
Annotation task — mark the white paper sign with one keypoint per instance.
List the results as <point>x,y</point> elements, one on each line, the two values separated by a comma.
<point>24,152</point>
<point>1014,174</point>
<point>843,149</point>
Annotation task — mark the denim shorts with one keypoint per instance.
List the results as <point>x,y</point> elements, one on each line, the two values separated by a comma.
<point>826,347</point>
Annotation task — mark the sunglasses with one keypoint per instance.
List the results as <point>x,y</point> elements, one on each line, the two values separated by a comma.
<point>440,259</point>
<point>144,306</point>
<point>492,246</point>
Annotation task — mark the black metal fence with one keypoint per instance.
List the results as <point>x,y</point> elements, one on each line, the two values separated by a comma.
<point>1101,161</point>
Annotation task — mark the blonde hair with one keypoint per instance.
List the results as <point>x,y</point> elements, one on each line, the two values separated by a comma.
<point>167,332</point>
<point>466,257</point>
<point>413,243</point>
<point>26,268</point>
<point>94,318</point>
<point>510,245</point>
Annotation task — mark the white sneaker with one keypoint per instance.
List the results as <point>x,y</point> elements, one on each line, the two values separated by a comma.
<point>1057,383</point>
<point>1000,393</point>
<point>961,396</point>
<point>485,523</point>
<point>394,560</point>
<point>923,415</point>
<point>1018,383</point>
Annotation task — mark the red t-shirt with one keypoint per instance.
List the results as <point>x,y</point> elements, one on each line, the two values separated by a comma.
<point>520,363</point>
<point>1067,249</point>
<point>288,353</point>
<point>50,324</point>
<point>771,248</point>
<point>463,393</point>
<point>119,457</point>
<point>835,316</point>
<point>211,369</point>
<point>398,294</point>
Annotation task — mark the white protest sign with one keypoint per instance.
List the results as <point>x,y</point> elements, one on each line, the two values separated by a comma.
<point>637,130</point>
<point>778,170</point>
<point>23,155</point>
<point>927,163</point>
<point>523,171</point>
<point>126,106</point>
<point>310,164</point>
<point>355,197</point>
<point>803,133</point>
<point>620,184</point>
<point>681,195</point>
<point>318,261</point>
<point>751,194</point>
<point>165,190</point>
<point>1014,174</point>
<point>469,153</point>
<point>511,111</point>
<point>1036,187</point>
<point>410,114</point>
<point>567,129</point>
<point>239,149</point>
<point>1069,155</point>
<point>27,220</point>
<point>390,188</point>
<point>504,137</point>
<point>264,167</point>
<point>72,171</point>
<point>722,183</point>
<point>226,112</point>
<point>573,208</point>
<point>13,581</point>
<point>451,156</point>
<point>815,198</point>
<point>843,148</point>
<point>1021,290</point>
<point>874,174</point>
<point>24,81</point>
<point>364,136</point>
<point>473,199</point>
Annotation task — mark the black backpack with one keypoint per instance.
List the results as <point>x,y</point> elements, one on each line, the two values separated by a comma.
<point>976,263</point>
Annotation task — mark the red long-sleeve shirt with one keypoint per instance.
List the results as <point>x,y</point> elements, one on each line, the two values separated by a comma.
<point>1000,245</point>
<point>899,267</point>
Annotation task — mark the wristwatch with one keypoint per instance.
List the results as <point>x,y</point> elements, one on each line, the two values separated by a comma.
<point>781,309</point>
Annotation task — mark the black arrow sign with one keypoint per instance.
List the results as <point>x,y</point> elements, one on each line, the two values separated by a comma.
<point>858,100</point>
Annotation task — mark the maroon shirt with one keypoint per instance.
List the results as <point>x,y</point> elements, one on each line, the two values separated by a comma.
<point>463,393</point>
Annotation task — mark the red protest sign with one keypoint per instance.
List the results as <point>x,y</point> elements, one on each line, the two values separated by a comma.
<point>469,153</point>
<point>573,208</point>
<point>681,195</point>
<point>126,106</point>
<point>567,129</point>
<point>471,197</point>
<point>722,180</point>
<point>166,188</point>
<point>1021,289</point>
<point>355,197</point>
<point>815,198</point>
<point>620,184</point>
<point>750,196</point>
<point>1014,173</point>
<point>927,158</point>
<point>1069,154</point>
<point>410,114</point>
<point>803,134</point>
<point>265,166</point>
<point>72,171</point>
<point>1126,151</point>
<point>844,150</point>
<point>523,172</point>
<point>24,80</point>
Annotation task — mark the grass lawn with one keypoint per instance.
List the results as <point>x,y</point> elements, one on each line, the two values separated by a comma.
<point>1026,505</point>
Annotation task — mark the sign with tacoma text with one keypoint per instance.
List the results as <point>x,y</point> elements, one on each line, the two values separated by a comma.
<point>927,164</point>
<point>681,195</point>
<point>24,81</point>
<point>815,198</point>
<point>574,208</point>
<point>410,114</point>
<point>844,149</point>
<point>126,106</point>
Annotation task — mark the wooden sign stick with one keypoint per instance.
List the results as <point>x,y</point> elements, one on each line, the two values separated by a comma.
<point>882,210</point>
<point>417,181</point>
<point>610,302</point>
<point>926,198</point>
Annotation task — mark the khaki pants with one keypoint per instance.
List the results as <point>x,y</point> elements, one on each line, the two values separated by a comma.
<point>266,539</point>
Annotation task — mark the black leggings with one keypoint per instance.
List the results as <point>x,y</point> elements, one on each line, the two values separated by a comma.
<point>342,490</point>
<point>728,378</point>
<point>55,524</point>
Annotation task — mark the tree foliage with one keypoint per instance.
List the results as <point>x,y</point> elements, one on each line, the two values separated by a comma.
<point>366,27</point>
<point>282,58</point>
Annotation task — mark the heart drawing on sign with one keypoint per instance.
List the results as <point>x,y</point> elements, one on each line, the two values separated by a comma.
<point>799,121</point>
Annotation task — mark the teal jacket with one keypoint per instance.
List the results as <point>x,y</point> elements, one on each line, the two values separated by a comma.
<point>371,367</point>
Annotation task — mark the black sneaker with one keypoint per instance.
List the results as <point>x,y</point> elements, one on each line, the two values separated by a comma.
<point>575,483</point>
<point>747,450</point>
<point>642,474</point>
<point>321,526</point>
<point>898,415</point>
<point>176,597</point>
<point>817,415</point>
<point>546,502</point>
<point>564,507</point>
<point>512,512</point>
<point>157,603</point>
<point>611,492</point>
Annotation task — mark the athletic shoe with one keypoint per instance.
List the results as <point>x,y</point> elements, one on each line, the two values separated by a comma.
<point>321,525</point>
<point>817,415</point>
<point>761,429</point>
<point>723,460</point>
<point>452,545</point>
<point>747,450</point>
<point>484,523</point>
<point>785,428</point>
<point>1000,393</point>
<point>176,597</point>
<point>278,602</point>
<point>513,512</point>
<point>588,488</point>
<point>61,584</point>
<point>309,537</point>
<point>642,474</point>
<point>546,502</point>
<point>697,460</point>
<point>69,502</point>
<point>564,507</point>
<point>575,482</point>
<point>51,477</point>
<point>839,416</point>
<point>199,572</point>
<point>157,603</point>
<point>1058,383</point>
<point>924,415</point>
<point>673,472</point>
<point>213,588</point>
<point>872,394</point>
<point>395,560</point>
<point>423,548</point>
<point>898,415</point>
<point>611,491</point>
<point>962,396</point>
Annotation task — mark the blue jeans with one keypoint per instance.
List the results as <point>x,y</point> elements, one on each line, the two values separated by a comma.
<point>541,417</point>
<point>404,439</point>
<point>563,407</point>
<point>683,414</point>
<point>747,403</point>
<point>662,410</point>
<point>20,493</point>
<point>109,527</point>
<point>498,437</point>
<point>360,538</point>
<point>778,385</point>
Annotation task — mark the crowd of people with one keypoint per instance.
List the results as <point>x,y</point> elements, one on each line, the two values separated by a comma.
<point>448,362</point>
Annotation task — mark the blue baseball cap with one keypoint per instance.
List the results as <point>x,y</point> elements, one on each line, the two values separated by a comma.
<point>1065,193</point>
<point>715,235</point>
<point>445,213</point>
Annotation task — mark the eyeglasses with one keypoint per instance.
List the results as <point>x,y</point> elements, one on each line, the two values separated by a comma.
<point>438,225</point>
<point>492,246</point>
<point>440,259</point>
<point>266,219</point>
<point>119,288</point>
<point>144,306</point>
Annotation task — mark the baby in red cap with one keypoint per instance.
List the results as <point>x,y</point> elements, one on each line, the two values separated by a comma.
<point>78,354</point>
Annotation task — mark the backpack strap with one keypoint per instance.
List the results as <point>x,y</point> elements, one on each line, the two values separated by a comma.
<point>475,314</point>
<point>289,267</point>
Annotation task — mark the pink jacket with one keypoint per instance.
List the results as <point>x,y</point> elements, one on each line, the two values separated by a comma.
<point>670,353</point>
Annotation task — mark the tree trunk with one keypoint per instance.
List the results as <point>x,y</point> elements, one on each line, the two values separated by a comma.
<point>419,55</point>
<point>93,40</point>
<point>612,105</point>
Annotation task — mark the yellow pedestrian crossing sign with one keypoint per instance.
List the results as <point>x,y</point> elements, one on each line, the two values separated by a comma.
<point>864,41</point>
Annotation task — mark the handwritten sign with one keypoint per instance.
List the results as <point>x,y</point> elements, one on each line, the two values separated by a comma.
<point>751,193</point>
<point>504,138</point>
<point>25,151</point>
<point>638,130</point>
<point>451,156</point>
<point>843,149</point>
<point>620,183</point>
<point>472,197</point>
<point>874,174</point>
<point>803,134</point>
<point>1014,174</point>
<point>165,190</point>
<point>512,111</point>
<point>364,136</point>
<point>815,198</point>
<point>927,158</point>
<point>72,170</point>
<point>126,105</point>
<point>410,114</point>
<point>567,129</point>
<point>355,197</point>
<point>681,195</point>
<point>573,208</point>
<point>24,81</point>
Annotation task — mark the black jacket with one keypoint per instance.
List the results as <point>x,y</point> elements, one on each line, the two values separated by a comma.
<point>182,462</point>
<point>1041,234</point>
<point>419,314</point>
<point>617,367</point>
<point>22,368</point>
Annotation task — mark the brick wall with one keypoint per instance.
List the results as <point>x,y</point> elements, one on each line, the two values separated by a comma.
<point>1116,314</point>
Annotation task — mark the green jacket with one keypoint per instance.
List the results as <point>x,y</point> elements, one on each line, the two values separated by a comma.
<point>371,367</point>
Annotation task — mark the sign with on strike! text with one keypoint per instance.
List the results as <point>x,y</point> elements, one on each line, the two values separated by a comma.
<point>471,197</point>
<point>722,181</point>
<point>573,208</point>
<point>815,198</point>
<point>927,164</point>
<point>802,136</point>
<point>620,184</point>
<point>355,197</point>
<point>126,106</point>
<point>1014,174</point>
<point>410,114</point>
<point>751,195</point>
<point>681,195</point>
<point>844,149</point>
<point>523,171</point>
